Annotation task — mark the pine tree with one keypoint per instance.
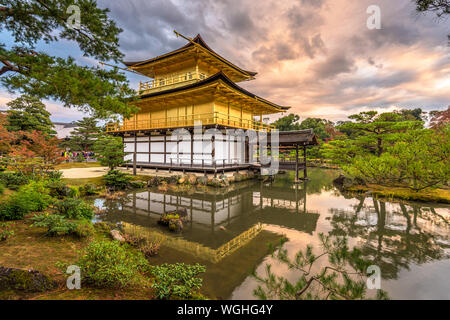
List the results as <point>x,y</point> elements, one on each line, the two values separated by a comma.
<point>41,75</point>
<point>29,114</point>
<point>84,135</point>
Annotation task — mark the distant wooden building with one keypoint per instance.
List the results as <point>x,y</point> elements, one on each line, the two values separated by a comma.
<point>189,85</point>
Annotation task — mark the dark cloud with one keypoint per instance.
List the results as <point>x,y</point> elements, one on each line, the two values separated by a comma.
<point>333,66</point>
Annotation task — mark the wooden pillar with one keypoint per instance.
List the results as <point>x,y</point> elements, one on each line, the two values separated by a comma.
<point>296,163</point>
<point>305,174</point>
<point>213,152</point>
<point>134,155</point>
<point>165,147</point>
<point>192,149</point>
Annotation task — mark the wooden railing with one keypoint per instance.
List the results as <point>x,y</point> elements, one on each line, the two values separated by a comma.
<point>145,87</point>
<point>189,120</point>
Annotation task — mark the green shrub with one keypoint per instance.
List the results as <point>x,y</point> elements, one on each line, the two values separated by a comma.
<point>2,189</point>
<point>72,208</point>
<point>108,264</point>
<point>54,175</point>
<point>13,180</point>
<point>84,229</point>
<point>74,192</point>
<point>56,225</point>
<point>177,280</point>
<point>30,198</point>
<point>5,231</point>
<point>117,179</point>
<point>57,188</point>
<point>104,227</point>
<point>89,189</point>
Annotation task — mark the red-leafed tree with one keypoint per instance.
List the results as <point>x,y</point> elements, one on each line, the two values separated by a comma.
<point>6,137</point>
<point>439,118</point>
<point>36,154</point>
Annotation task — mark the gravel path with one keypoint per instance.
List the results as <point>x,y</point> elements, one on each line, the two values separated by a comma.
<point>79,173</point>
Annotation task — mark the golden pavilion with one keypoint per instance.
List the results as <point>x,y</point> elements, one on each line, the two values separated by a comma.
<point>190,85</point>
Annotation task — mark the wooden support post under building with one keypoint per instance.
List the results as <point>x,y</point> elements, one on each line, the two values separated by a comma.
<point>296,163</point>
<point>135,155</point>
<point>305,174</point>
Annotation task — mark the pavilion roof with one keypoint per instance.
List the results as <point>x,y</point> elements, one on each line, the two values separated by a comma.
<point>198,40</point>
<point>227,84</point>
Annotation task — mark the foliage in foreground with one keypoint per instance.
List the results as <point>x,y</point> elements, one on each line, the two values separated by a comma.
<point>5,231</point>
<point>72,208</point>
<point>57,225</point>
<point>117,179</point>
<point>333,281</point>
<point>13,180</point>
<point>30,198</point>
<point>177,280</point>
<point>41,75</point>
<point>108,264</point>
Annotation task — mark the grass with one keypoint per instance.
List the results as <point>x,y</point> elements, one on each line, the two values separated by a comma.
<point>98,181</point>
<point>29,248</point>
<point>71,165</point>
<point>428,195</point>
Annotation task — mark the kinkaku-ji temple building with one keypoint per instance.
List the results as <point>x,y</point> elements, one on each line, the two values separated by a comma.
<point>189,86</point>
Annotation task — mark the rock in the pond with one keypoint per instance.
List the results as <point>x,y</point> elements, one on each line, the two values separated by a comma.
<point>153,182</point>
<point>116,235</point>
<point>25,280</point>
<point>192,179</point>
<point>343,182</point>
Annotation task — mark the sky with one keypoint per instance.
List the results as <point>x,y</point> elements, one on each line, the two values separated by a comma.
<point>316,56</point>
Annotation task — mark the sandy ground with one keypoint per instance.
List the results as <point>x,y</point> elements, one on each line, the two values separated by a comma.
<point>77,173</point>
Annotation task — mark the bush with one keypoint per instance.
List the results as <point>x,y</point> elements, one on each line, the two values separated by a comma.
<point>108,264</point>
<point>30,198</point>
<point>177,280</point>
<point>13,180</point>
<point>104,227</point>
<point>74,192</point>
<point>5,231</point>
<point>89,189</point>
<point>84,229</point>
<point>54,175</point>
<point>117,179</point>
<point>56,225</point>
<point>2,189</point>
<point>58,189</point>
<point>76,209</point>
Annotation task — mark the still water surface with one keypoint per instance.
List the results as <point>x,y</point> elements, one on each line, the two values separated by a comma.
<point>229,231</point>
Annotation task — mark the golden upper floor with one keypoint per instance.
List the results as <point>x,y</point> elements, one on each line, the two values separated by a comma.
<point>190,63</point>
<point>194,84</point>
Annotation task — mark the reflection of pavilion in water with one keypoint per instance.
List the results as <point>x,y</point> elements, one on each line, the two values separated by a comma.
<point>221,220</point>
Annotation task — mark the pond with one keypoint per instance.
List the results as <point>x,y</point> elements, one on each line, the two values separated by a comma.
<point>229,232</point>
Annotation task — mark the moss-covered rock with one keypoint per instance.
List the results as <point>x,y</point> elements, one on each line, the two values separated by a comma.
<point>191,179</point>
<point>25,280</point>
<point>153,182</point>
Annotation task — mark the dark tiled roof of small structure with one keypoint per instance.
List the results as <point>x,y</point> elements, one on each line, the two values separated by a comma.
<point>298,137</point>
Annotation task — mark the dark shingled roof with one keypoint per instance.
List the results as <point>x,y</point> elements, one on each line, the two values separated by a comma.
<point>199,40</point>
<point>298,137</point>
<point>213,78</point>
